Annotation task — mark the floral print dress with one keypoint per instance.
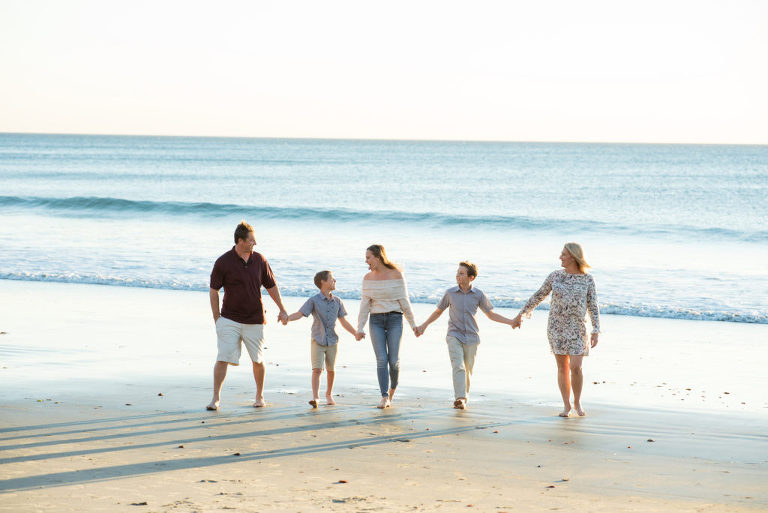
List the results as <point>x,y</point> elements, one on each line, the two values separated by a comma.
<point>573,295</point>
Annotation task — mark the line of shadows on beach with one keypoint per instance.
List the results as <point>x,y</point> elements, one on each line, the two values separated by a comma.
<point>385,419</point>
<point>152,467</point>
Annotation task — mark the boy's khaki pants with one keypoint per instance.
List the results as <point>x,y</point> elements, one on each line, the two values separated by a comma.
<point>462,360</point>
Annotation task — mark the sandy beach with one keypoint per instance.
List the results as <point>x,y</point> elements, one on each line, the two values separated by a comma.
<point>102,394</point>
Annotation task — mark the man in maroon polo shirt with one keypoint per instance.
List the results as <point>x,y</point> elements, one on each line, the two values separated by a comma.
<point>242,272</point>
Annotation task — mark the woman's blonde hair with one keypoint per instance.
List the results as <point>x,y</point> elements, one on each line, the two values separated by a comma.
<point>578,254</point>
<point>378,251</point>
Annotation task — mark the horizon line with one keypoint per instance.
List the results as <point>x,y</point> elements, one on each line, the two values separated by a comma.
<point>384,139</point>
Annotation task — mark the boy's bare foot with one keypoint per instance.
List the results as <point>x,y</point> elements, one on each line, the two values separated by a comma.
<point>213,406</point>
<point>384,403</point>
<point>329,400</point>
<point>313,402</point>
<point>259,403</point>
<point>460,403</point>
<point>565,413</point>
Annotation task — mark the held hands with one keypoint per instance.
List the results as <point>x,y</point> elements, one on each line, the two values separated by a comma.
<point>517,322</point>
<point>282,317</point>
<point>359,336</point>
<point>593,339</point>
<point>419,330</point>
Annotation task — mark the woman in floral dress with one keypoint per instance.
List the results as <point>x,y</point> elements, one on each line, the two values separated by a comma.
<point>573,295</point>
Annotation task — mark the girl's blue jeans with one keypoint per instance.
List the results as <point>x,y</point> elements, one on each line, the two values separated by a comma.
<point>386,332</point>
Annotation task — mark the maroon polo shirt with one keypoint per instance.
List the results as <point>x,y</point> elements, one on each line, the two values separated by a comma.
<point>242,282</point>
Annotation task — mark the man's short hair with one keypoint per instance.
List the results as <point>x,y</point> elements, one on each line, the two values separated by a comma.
<point>242,231</point>
<point>321,276</point>
<point>471,268</point>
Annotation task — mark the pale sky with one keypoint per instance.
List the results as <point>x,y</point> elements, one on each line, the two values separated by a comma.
<point>561,70</point>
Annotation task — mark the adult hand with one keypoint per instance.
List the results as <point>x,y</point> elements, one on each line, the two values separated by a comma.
<point>593,339</point>
<point>216,318</point>
<point>359,336</point>
<point>282,317</point>
<point>517,321</point>
<point>417,332</point>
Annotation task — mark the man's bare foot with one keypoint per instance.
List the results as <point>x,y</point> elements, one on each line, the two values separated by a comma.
<point>329,400</point>
<point>313,402</point>
<point>565,413</point>
<point>384,403</point>
<point>213,406</point>
<point>579,411</point>
<point>259,403</point>
<point>460,403</point>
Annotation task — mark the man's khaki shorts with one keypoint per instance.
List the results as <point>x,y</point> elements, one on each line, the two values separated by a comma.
<point>231,333</point>
<point>325,354</point>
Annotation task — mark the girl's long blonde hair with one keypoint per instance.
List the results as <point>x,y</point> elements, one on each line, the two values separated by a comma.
<point>378,251</point>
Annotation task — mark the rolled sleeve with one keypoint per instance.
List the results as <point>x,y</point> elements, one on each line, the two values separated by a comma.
<point>485,304</point>
<point>342,310</point>
<point>445,302</point>
<point>307,308</point>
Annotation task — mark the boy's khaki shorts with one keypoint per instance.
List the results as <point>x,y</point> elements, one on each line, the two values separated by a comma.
<point>231,333</point>
<point>325,354</point>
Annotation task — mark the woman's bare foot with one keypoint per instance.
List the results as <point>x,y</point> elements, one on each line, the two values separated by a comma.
<point>329,400</point>
<point>313,402</point>
<point>565,413</point>
<point>579,411</point>
<point>213,406</point>
<point>460,403</point>
<point>259,403</point>
<point>384,403</point>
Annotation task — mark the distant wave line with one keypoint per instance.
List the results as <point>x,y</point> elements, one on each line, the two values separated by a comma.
<point>639,310</point>
<point>90,204</point>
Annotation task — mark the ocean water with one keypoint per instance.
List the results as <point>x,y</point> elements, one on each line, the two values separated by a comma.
<point>676,231</point>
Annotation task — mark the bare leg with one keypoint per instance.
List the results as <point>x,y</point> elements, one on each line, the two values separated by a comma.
<point>258,375</point>
<point>315,387</point>
<point>331,375</point>
<point>564,382</point>
<point>219,373</point>
<point>577,381</point>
